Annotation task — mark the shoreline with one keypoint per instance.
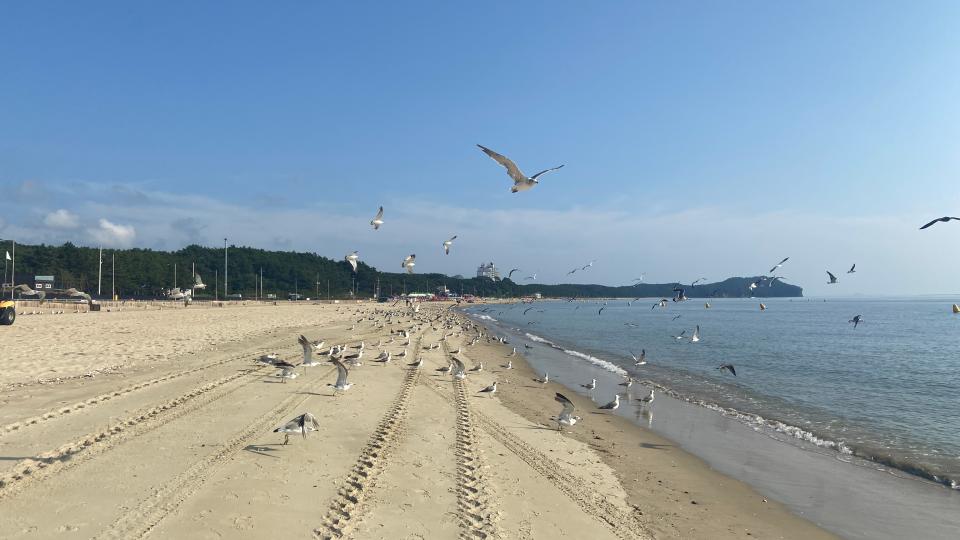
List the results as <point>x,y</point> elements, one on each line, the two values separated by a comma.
<point>902,495</point>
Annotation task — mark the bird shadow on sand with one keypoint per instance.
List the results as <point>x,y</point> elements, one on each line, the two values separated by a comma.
<point>535,427</point>
<point>262,449</point>
<point>318,394</point>
<point>652,446</point>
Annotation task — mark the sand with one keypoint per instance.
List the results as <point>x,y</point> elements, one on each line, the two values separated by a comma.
<point>135,423</point>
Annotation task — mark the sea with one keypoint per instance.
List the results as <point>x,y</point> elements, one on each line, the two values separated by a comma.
<point>883,394</point>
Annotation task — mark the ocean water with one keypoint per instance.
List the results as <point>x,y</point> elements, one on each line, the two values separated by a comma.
<point>887,392</point>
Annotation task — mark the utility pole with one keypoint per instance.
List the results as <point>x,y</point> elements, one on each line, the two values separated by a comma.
<point>261,283</point>
<point>100,271</point>
<point>328,290</point>
<point>174,275</point>
<point>216,284</point>
<point>225,268</point>
<point>113,275</point>
<point>318,285</point>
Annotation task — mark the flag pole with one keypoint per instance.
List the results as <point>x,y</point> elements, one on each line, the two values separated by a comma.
<point>100,271</point>
<point>13,268</point>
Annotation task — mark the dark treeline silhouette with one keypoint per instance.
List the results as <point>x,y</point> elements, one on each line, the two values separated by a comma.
<point>145,273</point>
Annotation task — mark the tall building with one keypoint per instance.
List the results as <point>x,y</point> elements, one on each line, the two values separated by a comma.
<point>488,270</point>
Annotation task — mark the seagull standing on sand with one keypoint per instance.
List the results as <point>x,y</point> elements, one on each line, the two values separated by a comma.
<point>287,370</point>
<point>409,263</point>
<point>459,370</point>
<point>520,181</point>
<point>377,220</point>
<point>543,380</point>
<point>646,400</point>
<point>341,384</point>
<point>566,416</point>
<point>301,424</point>
<point>833,278</point>
<point>492,389</point>
<point>613,405</point>
<point>448,243</point>
<point>352,258</point>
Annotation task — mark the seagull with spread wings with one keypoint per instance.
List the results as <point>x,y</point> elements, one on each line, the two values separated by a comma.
<point>448,243</point>
<point>377,220</point>
<point>944,219</point>
<point>409,263</point>
<point>352,258</point>
<point>833,278</point>
<point>779,264</point>
<point>302,424</point>
<point>520,181</point>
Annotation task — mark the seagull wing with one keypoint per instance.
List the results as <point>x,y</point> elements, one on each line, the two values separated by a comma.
<point>932,222</point>
<point>832,277</point>
<point>512,168</point>
<point>545,171</point>
<point>567,404</point>
<point>379,214</point>
<point>342,372</point>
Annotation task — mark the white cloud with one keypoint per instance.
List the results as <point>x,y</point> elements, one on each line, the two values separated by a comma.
<point>113,234</point>
<point>61,219</point>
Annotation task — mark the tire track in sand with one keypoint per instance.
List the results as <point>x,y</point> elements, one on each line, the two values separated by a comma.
<point>140,521</point>
<point>346,509</point>
<point>622,523</point>
<point>78,451</point>
<point>475,505</point>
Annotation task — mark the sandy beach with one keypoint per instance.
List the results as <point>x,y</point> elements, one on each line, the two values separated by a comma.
<point>135,423</point>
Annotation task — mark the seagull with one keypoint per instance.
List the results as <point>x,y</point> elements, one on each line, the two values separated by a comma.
<point>342,373</point>
<point>520,181</point>
<point>640,278</point>
<point>833,278</point>
<point>728,367</point>
<point>856,320</point>
<point>675,318</point>
<point>696,335</point>
<point>591,386</point>
<point>763,307</point>
<point>287,370</point>
<point>409,263</point>
<point>588,265</point>
<point>646,400</point>
<point>459,370</point>
<point>944,219</point>
<point>512,353</point>
<point>301,424</point>
<point>601,310</point>
<point>492,389</point>
<point>574,271</point>
<point>448,243</point>
<point>509,365</point>
<point>416,364</point>
<point>377,221</point>
<point>308,360</point>
<point>852,270</point>
<point>681,335</point>
<point>566,416</point>
<point>639,360</point>
<point>532,278</point>
<point>779,264</point>
<point>447,369</point>
<point>628,382</point>
<point>510,273</point>
<point>352,258</point>
<point>613,405</point>
<point>477,368</point>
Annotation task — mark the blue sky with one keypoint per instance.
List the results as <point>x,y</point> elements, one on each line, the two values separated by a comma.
<point>699,140</point>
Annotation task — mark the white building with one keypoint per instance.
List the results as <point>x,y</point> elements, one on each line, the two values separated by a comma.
<point>488,270</point>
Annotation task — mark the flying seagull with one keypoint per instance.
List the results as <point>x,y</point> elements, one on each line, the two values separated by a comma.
<point>342,373</point>
<point>533,277</point>
<point>852,270</point>
<point>377,220</point>
<point>301,424</point>
<point>352,258</point>
<point>308,360</point>
<point>566,416</point>
<point>779,264</point>
<point>944,219</point>
<point>696,335</point>
<point>833,278</point>
<point>448,243</point>
<point>588,265</point>
<point>728,367</point>
<point>856,320</point>
<point>520,181</point>
<point>640,360</point>
<point>409,263</point>
<point>510,274</point>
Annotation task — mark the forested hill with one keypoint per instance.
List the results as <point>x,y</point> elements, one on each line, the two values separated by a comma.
<point>145,273</point>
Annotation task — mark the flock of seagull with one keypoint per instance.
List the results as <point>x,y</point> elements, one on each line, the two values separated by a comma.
<point>338,356</point>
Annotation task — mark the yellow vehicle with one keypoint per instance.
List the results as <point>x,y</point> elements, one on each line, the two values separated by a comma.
<point>8,312</point>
